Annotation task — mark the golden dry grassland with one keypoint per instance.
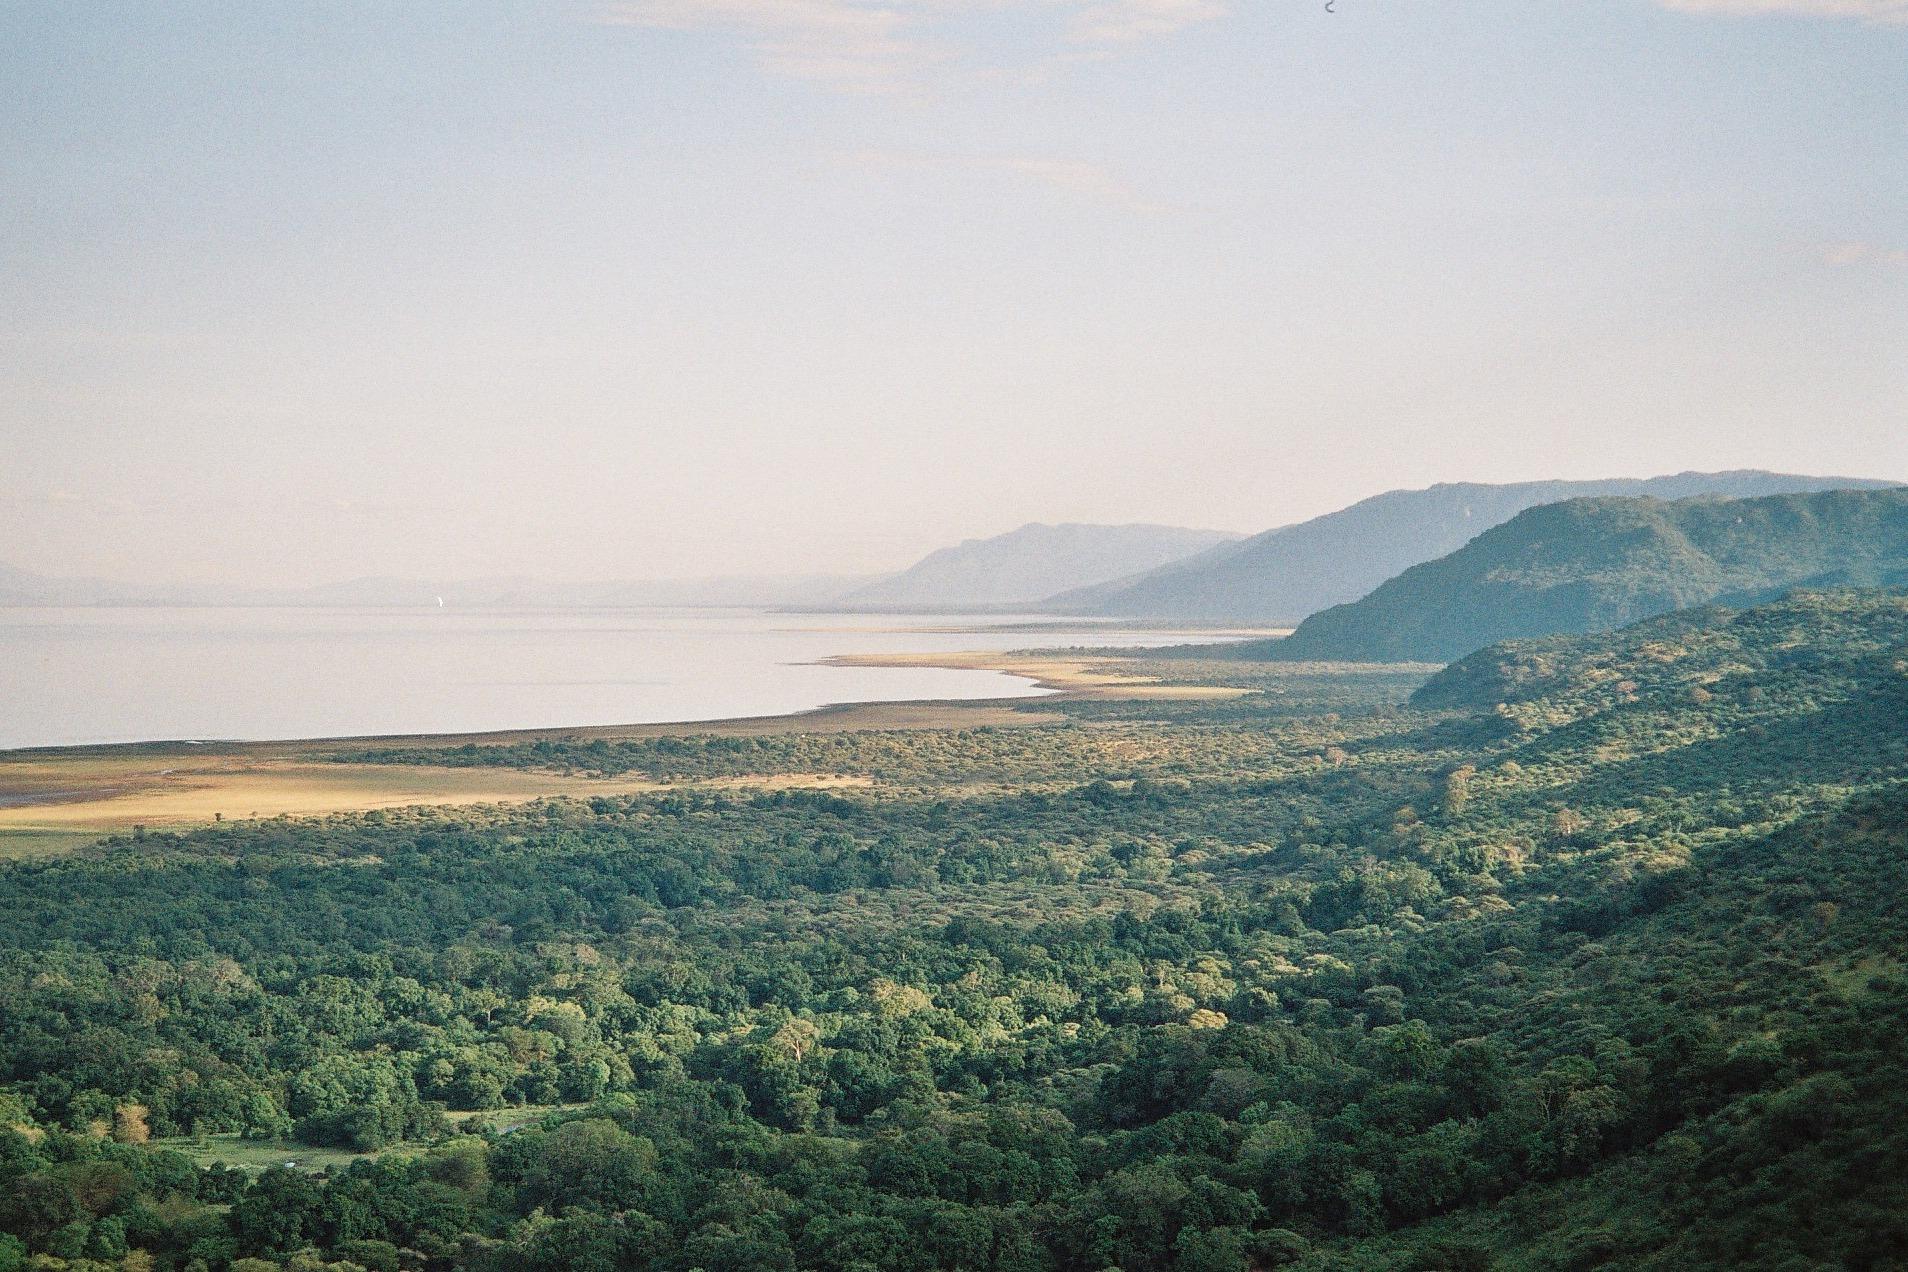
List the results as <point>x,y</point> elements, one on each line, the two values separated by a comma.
<point>62,800</point>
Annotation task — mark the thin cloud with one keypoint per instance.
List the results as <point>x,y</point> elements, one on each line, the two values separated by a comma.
<point>860,47</point>
<point>1877,11</point>
<point>1128,21</point>
<point>1858,255</point>
<point>877,46</point>
<point>1075,176</point>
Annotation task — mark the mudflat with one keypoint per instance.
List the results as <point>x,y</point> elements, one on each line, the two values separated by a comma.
<point>1076,675</point>
<point>58,799</point>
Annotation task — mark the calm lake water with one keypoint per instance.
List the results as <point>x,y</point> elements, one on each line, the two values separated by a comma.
<point>74,676</point>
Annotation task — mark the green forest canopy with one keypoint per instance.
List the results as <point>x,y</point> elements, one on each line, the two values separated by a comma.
<point>1584,954</point>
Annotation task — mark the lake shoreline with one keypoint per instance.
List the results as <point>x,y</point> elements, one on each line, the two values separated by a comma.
<point>1060,672</point>
<point>56,799</point>
<point>80,679</point>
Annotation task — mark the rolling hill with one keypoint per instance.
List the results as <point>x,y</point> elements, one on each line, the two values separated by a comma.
<point>1024,565</point>
<point>1283,575</point>
<point>1593,564</point>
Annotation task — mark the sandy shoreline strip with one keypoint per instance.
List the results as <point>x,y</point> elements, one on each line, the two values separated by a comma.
<point>56,799</point>
<point>1074,675</point>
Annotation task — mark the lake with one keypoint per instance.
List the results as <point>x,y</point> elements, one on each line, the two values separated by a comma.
<point>79,676</point>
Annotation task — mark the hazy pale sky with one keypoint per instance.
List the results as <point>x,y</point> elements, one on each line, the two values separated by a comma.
<point>292,292</point>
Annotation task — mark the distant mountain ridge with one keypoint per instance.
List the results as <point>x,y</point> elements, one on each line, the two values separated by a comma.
<point>1016,568</point>
<point>1285,574</point>
<point>1589,565</point>
<point>23,588</point>
<point>1025,565</point>
<point>1136,571</point>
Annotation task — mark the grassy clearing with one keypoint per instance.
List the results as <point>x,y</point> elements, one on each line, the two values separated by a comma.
<point>511,1119</point>
<point>19,842</point>
<point>1851,979</point>
<point>256,1155</point>
<point>230,1150</point>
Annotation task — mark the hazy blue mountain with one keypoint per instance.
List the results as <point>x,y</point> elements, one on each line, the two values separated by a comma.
<point>809,590</point>
<point>1024,565</point>
<point>1285,574</point>
<point>743,590</point>
<point>1589,565</point>
<point>22,587</point>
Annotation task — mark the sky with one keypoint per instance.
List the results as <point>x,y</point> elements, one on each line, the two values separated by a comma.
<point>662,288</point>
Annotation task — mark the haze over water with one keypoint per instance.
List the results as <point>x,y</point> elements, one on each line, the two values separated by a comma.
<point>81,676</point>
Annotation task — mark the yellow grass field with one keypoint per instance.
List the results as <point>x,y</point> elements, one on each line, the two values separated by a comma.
<point>87,795</point>
<point>255,1155</point>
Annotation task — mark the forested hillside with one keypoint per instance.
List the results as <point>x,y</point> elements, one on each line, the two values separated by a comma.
<point>1285,574</point>
<point>1585,954</point>
<point>1595,564</point>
